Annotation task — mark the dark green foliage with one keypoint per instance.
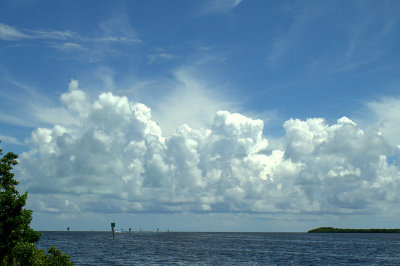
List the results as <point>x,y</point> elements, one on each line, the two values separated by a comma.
<point>341,230</point>
<point>28,254</point>
<point>25,253</point>
<point>17,239</point>
<point>55,257</point>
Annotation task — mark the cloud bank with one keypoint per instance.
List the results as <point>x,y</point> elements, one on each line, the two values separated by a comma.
<point>113,157</point>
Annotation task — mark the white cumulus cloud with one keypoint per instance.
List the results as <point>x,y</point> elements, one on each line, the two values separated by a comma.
<point>114,157</point>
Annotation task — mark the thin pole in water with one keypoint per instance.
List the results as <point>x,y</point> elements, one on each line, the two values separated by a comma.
<point>112,229</point>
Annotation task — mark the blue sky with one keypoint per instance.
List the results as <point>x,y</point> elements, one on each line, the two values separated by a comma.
<point>223,115</point>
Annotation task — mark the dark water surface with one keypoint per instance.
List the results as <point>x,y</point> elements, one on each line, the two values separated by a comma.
<point>182,248</point>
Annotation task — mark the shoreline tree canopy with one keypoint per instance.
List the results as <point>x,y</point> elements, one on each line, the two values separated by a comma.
<point>17,238</point>
<point>341,230</point>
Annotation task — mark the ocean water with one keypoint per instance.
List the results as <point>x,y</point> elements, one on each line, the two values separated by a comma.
<point>186,248</point>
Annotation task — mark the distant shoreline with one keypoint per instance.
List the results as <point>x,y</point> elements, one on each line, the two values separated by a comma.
<point>341,230</point>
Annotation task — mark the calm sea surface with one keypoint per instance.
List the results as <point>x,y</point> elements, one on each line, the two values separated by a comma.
<point>98,248</point>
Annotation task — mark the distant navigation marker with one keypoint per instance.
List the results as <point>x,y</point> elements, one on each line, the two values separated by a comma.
<point>112,228</point>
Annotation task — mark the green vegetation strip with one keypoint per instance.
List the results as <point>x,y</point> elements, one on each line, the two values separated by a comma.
<point>17,238</point>
<point>340,230</point>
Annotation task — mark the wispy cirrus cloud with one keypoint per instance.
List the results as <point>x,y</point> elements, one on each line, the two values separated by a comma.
<point>55,35</point>
<point>371,31</point>
<point>10,33</point>
<point>385,114</point>
<point>158,57</point>
<point>192,99</point>
<point>287,38</point>
<point>10,140</point>
<point>98,46</point>
<point>113,32</point>
<point>219,6</point>
<point>17,119</point>
<point>34,108</point>
<point>69,46</point>
<point>117,29</point>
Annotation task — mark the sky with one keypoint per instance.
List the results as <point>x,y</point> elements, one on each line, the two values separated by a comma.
<point>204,115</point>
